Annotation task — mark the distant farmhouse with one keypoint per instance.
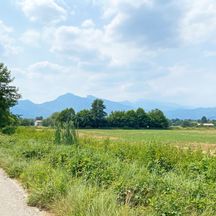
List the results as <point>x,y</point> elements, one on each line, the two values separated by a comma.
<point>38,123</point>
<point>205,124</point>
<point>208,125</point>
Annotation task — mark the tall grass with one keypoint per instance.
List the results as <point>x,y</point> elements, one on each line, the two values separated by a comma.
<point>104,177</point>
<point>66,134</point>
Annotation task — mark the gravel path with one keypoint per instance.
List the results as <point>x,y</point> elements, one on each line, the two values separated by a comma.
<point>13,199</point>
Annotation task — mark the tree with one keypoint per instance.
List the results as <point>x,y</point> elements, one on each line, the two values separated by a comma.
<point>204,120</point>
<point>84,119</point>
<point>26,122</point>
<point>143,120</point>
<point>8,97</point>
<point>158,119</point>
<point>131,119</point>
<point>51,121</point>
<point>39,118</point>
<point>67,115</point>
<point>98,113</point>
<point>187,123</point>
<point>117,119</point>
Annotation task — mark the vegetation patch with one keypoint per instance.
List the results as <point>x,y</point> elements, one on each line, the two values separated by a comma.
<point>110,177</point>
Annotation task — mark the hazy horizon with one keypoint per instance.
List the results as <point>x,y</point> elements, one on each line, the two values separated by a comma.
<point>114,49</point>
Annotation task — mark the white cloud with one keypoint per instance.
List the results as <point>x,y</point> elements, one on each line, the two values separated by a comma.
<point>184,85</point>
<point>78,43</point>
<point>7,42</point>
<point>113,7</point>
<point>31,37</point>
<point>91,44</point>
<point>88,23</point>
<point>45,67</point>
<point>45,11</point>
<point>133,3</point>
<point>198,23</point>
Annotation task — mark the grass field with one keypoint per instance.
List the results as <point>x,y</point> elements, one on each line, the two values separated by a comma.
<point>115,172</point>
<point>195,138</point>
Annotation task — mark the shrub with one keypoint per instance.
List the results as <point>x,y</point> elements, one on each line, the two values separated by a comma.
<point>66,133</point>
<point>9,130</point>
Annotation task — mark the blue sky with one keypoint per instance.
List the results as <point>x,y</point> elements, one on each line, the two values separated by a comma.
<point>161,50</point>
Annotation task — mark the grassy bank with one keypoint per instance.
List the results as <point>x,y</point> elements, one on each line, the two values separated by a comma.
<point>110,177</point>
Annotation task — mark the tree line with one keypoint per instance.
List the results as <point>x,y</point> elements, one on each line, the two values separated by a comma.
<point>96,117</point>
<point>191,122</point>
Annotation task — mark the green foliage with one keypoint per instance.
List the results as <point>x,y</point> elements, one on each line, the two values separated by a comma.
<point>111,177</point>
<point>57,138</point>
<point>204,119</point>
<point>98,113</point>
<point>66,133</point>
<point>84,119</point>
<point>66,116</point>
<point>187,123</point>
<point>131,119</point>
<point>117,119</point>
<point>158,119</point>
<point>138,119</point>
<point>51,121</point>
<point>45,183</point>
<point>143,120</point>
<point>96,117</point>
<point>26,122</point>
<point>8,96</point>
<point>9,130</point>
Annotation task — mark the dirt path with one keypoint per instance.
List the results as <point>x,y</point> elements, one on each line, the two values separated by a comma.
<point>13,199</point>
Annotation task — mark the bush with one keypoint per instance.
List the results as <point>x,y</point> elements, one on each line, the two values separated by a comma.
<point>66,133</point>
<point>9,130</point>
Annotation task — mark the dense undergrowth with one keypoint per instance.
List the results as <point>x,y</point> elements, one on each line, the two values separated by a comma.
<point>107,178</point>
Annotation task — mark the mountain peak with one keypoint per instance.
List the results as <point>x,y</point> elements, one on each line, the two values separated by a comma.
<point>67,95</point>
<point>91,97</point>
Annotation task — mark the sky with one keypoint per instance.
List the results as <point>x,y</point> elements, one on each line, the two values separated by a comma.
<point>163,50</point>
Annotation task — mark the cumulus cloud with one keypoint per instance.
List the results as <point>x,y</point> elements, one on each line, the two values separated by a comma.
<point>7,42</point>
<point>46,68</point>
<point>89,44</point>
<point>199,21</point>
<point>45,11</point>
<point>149,23</point>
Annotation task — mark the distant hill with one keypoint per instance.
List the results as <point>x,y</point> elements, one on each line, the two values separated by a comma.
<point>28,109</point>
<point>195,114</point>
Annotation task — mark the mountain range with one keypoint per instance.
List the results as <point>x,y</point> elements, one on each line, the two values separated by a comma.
<point>28,109</point>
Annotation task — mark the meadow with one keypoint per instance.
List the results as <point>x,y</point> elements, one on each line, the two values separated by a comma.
<point>200,138</point>
<point>115,172</point>
<point>175,136</point>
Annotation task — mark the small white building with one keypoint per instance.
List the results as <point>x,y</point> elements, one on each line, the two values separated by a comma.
<point>38,123</point>
<point>208,125</point>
